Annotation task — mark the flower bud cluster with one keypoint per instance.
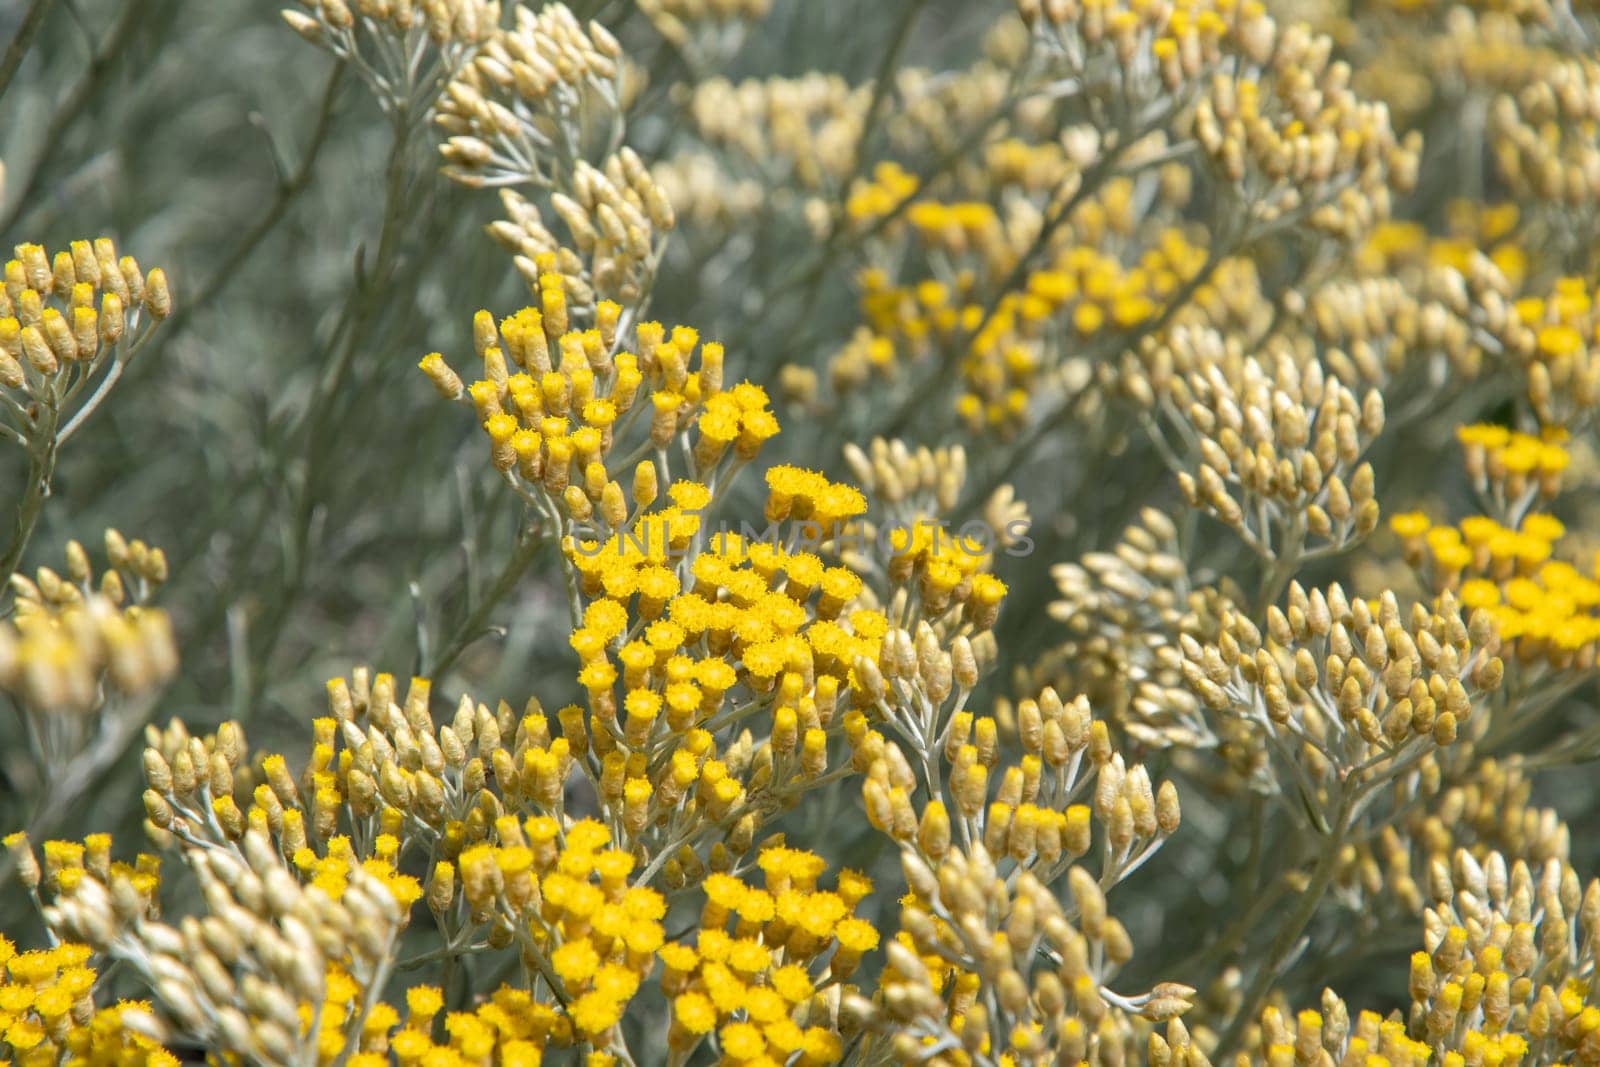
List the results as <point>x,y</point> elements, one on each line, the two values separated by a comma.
<point>534,100</point>
<point>344,812</point>
<point>1540,139</point>
<point>1295,142</point>
<point>555,401</point>
<point>801,129</point>
<point>72,641</point>
<point>1348,694</point>
<point>1026,814</point>
<point>618,219</point>
<point>63,319</point>
<point>236,977</point>
<point>990,970</point>
<point>1501,978</point>
<point>1269,446</point>
<point>1487,811</point>
<point>402,49</point>
<point>707,30</point>
<point>1123,611</point>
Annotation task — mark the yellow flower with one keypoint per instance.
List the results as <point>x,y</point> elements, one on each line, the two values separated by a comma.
<point>694,1013</point>
<point>1409,524</point>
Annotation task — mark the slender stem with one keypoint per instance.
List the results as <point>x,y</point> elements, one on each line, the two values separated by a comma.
<point>527,547</point>
<point>41,468</point>
<point>1289,934</point>
<point>64,118</point>
<point>31,22</point>
<point>79,417</point>
<point>318,424</point>
<point>880,92</point>
<point>289,189</point>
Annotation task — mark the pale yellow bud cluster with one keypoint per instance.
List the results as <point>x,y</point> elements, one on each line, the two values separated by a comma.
<point>1123,611</point>
<point>1542,136</point>
<point>402,49</point>
<point>236,976</point>
<point>1274,444</point>
<point>1488,808</point>
<point>1024,814</point>
<point>989,969</point>
<point>938,109</point>
<point>1349,691</point>
<point>445,22</point>
<point>892,473</point>
<point>804,129</point>
<point>709,199</point>
<point>1374,330</point>
<point>1295,143</point>
<point>618,219</point>
<point>522,111</point>
<point>72,641</point>
<point>699,25</point>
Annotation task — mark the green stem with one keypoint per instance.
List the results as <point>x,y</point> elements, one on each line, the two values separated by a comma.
<point>115,42</point>
<point>289,188</point>
<point>31,22</point>
<point>521,557</point>
<point>41,468</point>
<point>1289,933</point>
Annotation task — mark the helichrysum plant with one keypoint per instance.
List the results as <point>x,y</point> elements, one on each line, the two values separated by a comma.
<point>799,532</point>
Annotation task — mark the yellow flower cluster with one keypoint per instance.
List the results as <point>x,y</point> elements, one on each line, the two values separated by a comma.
<point>1097,287</point>
<point>1543,607</point>
<point>554,401</point>
<point>683,640</point>
<point>509,1028</point>
<point>564,898</point>
<point>754,986</point>
<point>48,1016</point>
<point>72,638</point>
<point>64,317</point>
<point>1492,984</point>
<point>1471,227</point>
<point>1559,347</point>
